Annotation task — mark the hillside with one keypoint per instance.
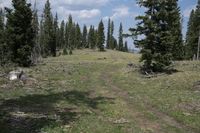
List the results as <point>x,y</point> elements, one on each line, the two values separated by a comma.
<point>97,92</point>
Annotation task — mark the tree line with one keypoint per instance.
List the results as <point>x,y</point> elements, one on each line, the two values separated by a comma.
<point>193,33</point>
<point>24,38</point>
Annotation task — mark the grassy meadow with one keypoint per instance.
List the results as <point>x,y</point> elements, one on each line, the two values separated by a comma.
<point>97,92</point>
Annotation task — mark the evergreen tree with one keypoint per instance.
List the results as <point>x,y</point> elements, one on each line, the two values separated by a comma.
<point>78,37</point>
<point>42,36</point>
<point>108,35</point>
<point>71,32</point>
<point>54,36</point>
<point>175,24</point>
<point>48,30</point>
<point>36,49</point>
<point>193,32</point>
<point>20,43</point>
<point>62,35</point>
<point>115,43</point>
<point>65,51</point>
<point>111,41</point>
<point>101,36</point>
<point>73,37</point>
<point>156,44</point>
<point>95,37</point>
<point>91,38</point>
<point>84,38</point>
<point>58,37</point>
<point>1,26</point>
<point>66,37</point>
<point>121,45</point>
<point>190,37</point>
<point>70,52</point>
<point>3,46</point>
<point>125,47</point>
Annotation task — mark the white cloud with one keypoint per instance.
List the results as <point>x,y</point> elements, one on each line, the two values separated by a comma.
<point>4,3</point>
<point>120,12</point>
<point>187,11</point>
<point>90,3</point>
<point>63,9</point>
<point>81,14</point>
<point>89,13</point>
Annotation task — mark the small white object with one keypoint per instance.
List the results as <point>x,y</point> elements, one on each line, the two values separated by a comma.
<point>14,75</point>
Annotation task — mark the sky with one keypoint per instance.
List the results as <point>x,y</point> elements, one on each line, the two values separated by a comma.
<point>90,12</point>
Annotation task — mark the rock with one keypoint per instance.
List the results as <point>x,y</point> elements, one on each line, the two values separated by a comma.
<point>121,121</point>
<point>14,75</point>
<point>20,75</point>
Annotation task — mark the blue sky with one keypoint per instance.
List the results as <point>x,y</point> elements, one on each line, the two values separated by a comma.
<point>90,12</point>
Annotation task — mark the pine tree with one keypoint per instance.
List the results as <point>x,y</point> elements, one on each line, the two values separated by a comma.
<point>156,44</point>
<point>70,52</point>
<point>71,32</point>
<point>91,38</point>
<point>78,37</point>
<point>95,37</point>
<point>42,36</point>
<point>20,43</point>
<point>54,36</point>
<point>175,24</point>
<point>58,38</point>
<point>84,37</point>
<point>65,51</point>
<point>115,43</point>
<point>190,37</point>
<point>62,34</point>
<point>193,33</point>
<point>36,53</point>
<point>66,37</point>
<point>108,35</point>
<point>111,41</point>
<point>121,45</point>
<point>3,46</point>
<point>48,30</point>
<point>73,37</point>
<point>125,47</point>
<point>1,26</point>
<point>101,36</point>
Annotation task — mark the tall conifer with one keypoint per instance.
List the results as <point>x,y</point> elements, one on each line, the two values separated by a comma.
<point>100,36</point>
<point>121,45</point>
<point>20,43</point>
<point>84,37</point>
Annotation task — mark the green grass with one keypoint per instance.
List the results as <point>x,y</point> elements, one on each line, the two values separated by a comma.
<point>94,92</point>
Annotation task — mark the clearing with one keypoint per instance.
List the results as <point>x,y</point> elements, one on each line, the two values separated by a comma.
<point>93,92</point>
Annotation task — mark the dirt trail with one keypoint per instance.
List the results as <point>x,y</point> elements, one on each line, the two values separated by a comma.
<point>137,115</point>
